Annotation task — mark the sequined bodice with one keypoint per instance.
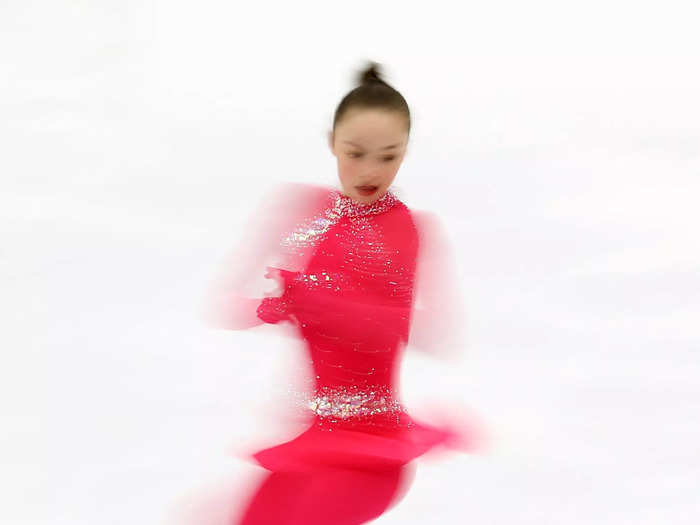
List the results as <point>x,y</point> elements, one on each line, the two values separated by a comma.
<point>353,301</point>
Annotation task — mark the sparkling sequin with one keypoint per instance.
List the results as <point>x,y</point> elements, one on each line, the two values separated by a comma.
<point>333,281</point>
<point>345,402</point>
<point>366,259</point>
<point>345,206</point>
<point>352,298</point>
<point>309,231</point>
<point>349,406</point>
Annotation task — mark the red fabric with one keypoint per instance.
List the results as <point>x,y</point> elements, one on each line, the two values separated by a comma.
<point>325,497</point>
<point>351,302</point>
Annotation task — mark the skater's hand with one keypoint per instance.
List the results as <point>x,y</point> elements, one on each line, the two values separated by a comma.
<point>273,310</point>
<point>276,274</point>
<point>275,307</point>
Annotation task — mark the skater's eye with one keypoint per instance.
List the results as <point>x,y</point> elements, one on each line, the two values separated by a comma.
<point>355,155</point>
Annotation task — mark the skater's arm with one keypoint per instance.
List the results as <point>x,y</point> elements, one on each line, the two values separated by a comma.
<point>438,317</point>
<point>236,313</point>
<point>235,300</point>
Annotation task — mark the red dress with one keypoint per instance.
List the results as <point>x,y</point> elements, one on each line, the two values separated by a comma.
<point>348,273</point>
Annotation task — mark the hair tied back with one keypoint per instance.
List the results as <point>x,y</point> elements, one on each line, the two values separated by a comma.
<point>372,92</point>
<point>371,74</point>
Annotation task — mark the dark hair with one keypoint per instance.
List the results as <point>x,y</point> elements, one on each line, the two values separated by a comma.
<point>372,93</point>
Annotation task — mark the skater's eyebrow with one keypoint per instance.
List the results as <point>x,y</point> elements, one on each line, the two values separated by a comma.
<point>385,147</point>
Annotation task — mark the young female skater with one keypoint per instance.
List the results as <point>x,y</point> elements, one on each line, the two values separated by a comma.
<point>347,271</point>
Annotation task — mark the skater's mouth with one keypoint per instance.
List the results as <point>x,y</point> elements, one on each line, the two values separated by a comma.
<point>367,190</point>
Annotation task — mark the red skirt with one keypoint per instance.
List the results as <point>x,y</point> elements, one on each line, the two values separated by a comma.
<point>343,476</point>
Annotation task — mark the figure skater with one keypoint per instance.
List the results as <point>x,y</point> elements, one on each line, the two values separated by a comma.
<point>348,260</point>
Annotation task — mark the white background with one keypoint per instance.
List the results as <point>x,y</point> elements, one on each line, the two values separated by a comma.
<point>557,141</point>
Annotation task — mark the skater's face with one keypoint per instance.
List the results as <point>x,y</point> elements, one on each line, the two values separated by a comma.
<point>369,145</point>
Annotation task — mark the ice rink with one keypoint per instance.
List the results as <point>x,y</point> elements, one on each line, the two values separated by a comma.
<point>559,147</point>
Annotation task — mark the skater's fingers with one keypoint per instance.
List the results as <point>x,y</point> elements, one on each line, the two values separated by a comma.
<point>273,273</point>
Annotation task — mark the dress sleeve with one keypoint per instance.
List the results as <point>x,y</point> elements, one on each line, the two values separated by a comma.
<point>439,316</point>
<point>276,308</point>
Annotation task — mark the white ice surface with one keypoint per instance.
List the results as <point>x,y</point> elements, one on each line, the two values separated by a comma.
<point>559,147</point>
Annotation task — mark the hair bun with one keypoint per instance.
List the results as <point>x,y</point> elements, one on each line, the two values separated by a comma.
<point>371,74</point>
